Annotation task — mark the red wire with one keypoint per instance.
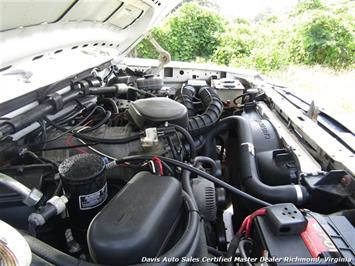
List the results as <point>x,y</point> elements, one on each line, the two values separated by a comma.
<point>248,221</point>
<point>69,143</point>
<point>242,227</point>
<point>158,161</point>
<point>259,212</point>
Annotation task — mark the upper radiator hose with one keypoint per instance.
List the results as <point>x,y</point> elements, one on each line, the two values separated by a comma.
<point>199,124</point>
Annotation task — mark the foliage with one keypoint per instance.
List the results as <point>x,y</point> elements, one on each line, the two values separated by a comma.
<point>211,4</point>
<point>306,5</point>
<point>190,33</point>
<point>146,50</point>
<point>235,43</point>
<point>313,33</point>
<point>323,38</point>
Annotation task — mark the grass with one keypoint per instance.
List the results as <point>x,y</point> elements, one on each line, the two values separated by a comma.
<point>332,91</point>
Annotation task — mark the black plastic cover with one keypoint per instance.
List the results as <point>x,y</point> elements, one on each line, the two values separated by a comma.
<point>265,137</point>
<point>155,111</point>
<point>137,221</point>
<point>286,219</point>
<point>342,232</point>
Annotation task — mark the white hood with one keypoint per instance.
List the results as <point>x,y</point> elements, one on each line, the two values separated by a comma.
<point>43,41</point>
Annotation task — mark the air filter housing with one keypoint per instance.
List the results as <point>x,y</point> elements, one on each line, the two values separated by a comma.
<point>137,221</point>
<point>156,111</point>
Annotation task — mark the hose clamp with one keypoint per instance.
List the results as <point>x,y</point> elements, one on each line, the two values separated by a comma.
<point>299,194</point>
<point>57,101</point>
<point>250,147</point>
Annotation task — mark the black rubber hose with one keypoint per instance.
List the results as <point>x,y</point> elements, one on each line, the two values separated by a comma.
<point>58,189</point>
<point>112,103</point>
<point>186,184</point>
<point>208,160</point>
<point>185,96</point>
<point>116,90</point>
<point>200,141</point>
<point>232,248</point>
<point>109,141</point>
<point>143,92</point>
<point>238,97</point>
<point>199,172</point>
<point>199,124</point>
<point>185,243</point>
<point>86,118</point>
<point>169,169</point>
<point>192,253</point>
<point>53,255</point>
<point>188,138</point>
<point>243,252</point>
<point>103,121</point>
<point>215,252</point>
<point>296,194</point>
<point>38,261</point>
<point>70,115</point>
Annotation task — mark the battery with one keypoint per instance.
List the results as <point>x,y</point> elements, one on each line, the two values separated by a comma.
<point>327,240</point>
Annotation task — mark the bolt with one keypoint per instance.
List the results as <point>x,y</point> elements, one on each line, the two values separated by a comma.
<point>345,180</point>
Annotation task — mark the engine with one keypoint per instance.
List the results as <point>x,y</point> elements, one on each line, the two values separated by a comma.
<point>122,169</point>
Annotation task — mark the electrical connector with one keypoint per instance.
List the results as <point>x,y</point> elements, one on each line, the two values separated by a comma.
<point>151,137</point>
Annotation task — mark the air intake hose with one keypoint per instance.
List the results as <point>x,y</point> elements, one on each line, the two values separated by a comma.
<point>199,124</point>
<point>296,194</point>
<point>185,96</point>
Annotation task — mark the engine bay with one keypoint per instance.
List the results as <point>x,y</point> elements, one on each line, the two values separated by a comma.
<point>122,167</point>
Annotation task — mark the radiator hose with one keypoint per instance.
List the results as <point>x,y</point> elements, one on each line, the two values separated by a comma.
<point>200,123</point>
<point>250,179</point>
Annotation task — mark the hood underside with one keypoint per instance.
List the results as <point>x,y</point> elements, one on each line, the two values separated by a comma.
<point>43,41</point>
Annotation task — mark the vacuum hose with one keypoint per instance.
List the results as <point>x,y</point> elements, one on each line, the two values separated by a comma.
<point>52,255</point>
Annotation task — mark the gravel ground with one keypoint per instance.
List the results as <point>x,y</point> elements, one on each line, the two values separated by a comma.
<point>331,90</point>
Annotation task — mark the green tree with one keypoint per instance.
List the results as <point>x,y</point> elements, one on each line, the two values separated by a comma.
<point>306,5</point>
<point>236,43</point>
<point>190,33</point>
<point>323,38</point>
<point>315,32</point>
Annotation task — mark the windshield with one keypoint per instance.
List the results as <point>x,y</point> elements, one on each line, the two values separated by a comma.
<point>305,45</point>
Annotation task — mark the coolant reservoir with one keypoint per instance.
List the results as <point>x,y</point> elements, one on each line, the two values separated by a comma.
<point>14,249</point>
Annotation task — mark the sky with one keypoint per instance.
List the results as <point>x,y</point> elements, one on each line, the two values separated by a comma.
<point>248,9</point>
